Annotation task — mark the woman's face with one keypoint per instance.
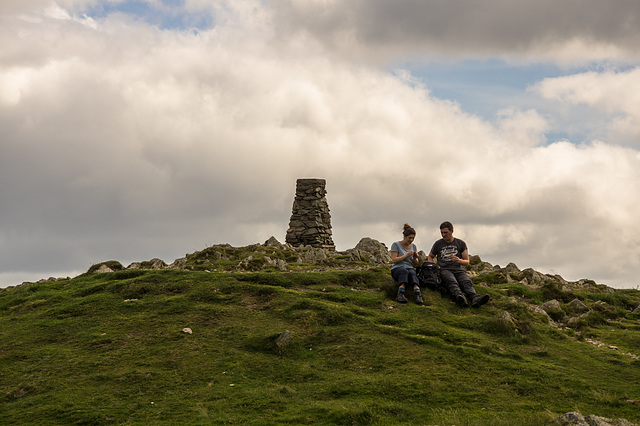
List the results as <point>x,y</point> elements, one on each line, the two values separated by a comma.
<point>408,239</point>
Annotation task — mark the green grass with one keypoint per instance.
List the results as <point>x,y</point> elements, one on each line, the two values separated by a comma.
<point>108,349</point>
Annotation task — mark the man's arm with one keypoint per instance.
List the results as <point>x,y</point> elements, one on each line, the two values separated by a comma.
<point>462,261</point>
<point>431,258</point>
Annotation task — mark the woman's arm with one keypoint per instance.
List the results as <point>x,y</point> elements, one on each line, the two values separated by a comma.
<point>395,258</point>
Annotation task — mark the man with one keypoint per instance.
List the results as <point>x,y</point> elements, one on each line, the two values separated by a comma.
<point>451,254</point>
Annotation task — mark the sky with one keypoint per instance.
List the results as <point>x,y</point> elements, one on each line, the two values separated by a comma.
<point>132,130</point>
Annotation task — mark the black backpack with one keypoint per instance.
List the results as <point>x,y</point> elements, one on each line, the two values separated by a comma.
<point>429,276</point>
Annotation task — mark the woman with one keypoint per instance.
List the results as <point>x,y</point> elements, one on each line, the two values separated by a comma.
<point>404,255</point>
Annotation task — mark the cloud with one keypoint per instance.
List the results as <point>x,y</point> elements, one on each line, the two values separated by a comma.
<point>575,31</point>
<point>20,6</point>
<point>608,95</point>
<point>122,141</point>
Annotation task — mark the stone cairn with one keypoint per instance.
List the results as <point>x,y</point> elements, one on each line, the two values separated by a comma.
<point>310,222</point>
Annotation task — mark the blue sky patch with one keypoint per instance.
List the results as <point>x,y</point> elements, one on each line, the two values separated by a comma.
<point>169,15</point>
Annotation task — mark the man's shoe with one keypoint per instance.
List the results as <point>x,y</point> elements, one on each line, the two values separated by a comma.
<point>479,300</point>
<point>419,300</point>
<point>461,301</point>
<point>401,297</point>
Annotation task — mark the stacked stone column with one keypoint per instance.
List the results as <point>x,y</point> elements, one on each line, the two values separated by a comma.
<point>310,222</point>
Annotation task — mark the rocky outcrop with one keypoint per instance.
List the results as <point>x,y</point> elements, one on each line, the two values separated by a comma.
<point>154,263</point>
<point>576,419</point>
<point>370,250</point>
<point>272,255</point>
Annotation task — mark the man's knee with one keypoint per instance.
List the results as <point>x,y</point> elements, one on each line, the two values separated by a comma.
<point>466,285</point>
<point>450,283</point>
<point>448,277</point>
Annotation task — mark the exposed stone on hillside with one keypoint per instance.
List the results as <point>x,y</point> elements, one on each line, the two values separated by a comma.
<point>276,256</point>
<point>282,341</point>
<point>106,267</point>
<point>551,305</point>
<point>370,250</point>
<point>577,306</point>
<point>154,263</point>
<point>273,255</point>
<point>103,269</point>
<point>576,419</point>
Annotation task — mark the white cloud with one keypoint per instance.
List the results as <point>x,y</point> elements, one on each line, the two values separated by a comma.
<point>57,7</point>
<point>610,95</point>
<point>121,141</point>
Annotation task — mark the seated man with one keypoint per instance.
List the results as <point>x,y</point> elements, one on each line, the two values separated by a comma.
<point>451,253</point>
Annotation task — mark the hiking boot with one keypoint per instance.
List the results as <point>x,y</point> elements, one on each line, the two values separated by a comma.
<point>402,298</point>
<point>461,301</point>
<point>479,300</point>
<point>419,300</point>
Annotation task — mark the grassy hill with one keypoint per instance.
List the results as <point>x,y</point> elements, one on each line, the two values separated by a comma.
<point>110,348</point>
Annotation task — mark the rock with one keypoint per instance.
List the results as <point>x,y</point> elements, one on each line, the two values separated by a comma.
<point>551,305</point>
<point>577,306</point>
<point>637,309</point>
<point>187,330</point>
<point>179,263</point>
<point>314,254</point>
<point>511,267</point>
<point>577,419</point>
<point>572,418</point>
<point>539,310</point>
<point>149,264</point>
<point>573,321</point>
<point>283,340</point>
<point>103,269</point>
<point>157,264</point>
<point>534,278</point>
<point>279,264</point>
<point>507,319</point>
<point>374,250</point>
<point>273,242</point>
<point>603,421</point>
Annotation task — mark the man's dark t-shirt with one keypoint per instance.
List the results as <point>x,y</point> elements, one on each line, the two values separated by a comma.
<point>443,250</point>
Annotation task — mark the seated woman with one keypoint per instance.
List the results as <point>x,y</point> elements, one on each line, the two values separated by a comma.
<point>404,255</point>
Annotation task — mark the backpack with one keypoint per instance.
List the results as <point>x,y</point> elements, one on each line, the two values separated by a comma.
<point>429,276</point>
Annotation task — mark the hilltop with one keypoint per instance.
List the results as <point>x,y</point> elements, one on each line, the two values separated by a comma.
<point>270,334</point>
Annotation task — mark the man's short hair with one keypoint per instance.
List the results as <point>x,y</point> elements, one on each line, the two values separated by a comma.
<point>447,225</point>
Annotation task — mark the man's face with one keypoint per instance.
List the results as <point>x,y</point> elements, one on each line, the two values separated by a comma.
<point>447,234</point>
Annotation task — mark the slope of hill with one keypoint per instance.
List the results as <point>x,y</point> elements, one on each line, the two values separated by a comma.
<point>323,343</point>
